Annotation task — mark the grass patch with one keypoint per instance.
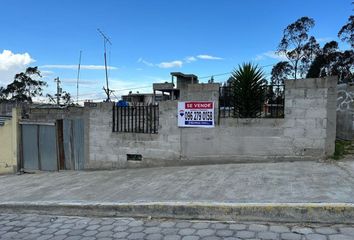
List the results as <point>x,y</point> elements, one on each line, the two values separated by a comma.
<point>341,148</point>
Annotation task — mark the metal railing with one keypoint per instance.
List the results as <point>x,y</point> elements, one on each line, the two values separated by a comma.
<point>270,106</point>
<point>136,119</point>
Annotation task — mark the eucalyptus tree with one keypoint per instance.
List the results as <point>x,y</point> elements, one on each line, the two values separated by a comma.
<point>24,87</point>
<point>297,46</point>
<point>346,33</point>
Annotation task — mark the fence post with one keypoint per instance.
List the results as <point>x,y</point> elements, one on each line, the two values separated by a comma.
<point>134,120</point>
<point>139,107</point>
<point>117,119</point>
<point>154,118</point>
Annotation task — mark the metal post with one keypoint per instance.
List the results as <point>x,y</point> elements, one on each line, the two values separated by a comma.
<point>113,118</point>
<point>58,90</point>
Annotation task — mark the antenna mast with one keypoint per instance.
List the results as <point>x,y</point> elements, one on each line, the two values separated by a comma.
<point>78,77</point>
<point>105,41</point>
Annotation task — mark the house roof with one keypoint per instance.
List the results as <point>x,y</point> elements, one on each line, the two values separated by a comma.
<point>179,74</point>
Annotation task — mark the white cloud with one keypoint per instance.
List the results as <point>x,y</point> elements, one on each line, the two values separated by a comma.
<point>259,57</point>
<point>190,59</point>
<point>272,55</point>
<point>141,60</point>
<point>82,82</point>
<point>178,63</point>
<point>208,57</point>
<point>172,64</point>
<point>9,60</point>
<point>324,39</point>
<point>87,67</point>
<point>46,73</point>
<point>12,63</point>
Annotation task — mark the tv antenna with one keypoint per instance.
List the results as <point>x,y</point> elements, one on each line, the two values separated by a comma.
<point>105,41</point>
<point>78,78</point>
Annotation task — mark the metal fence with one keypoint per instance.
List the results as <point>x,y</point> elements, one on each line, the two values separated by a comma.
<point>270,106</point>
<point>136,119</point>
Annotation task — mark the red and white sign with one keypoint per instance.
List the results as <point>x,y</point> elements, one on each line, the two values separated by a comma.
<point>196,114</point>
<point>199,105</point>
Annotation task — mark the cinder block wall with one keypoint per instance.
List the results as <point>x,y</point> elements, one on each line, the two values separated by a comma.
<point>53,114</point>
<point>345,112</point>
<point>109,149</point>
<point>306,132</point>
<point>310,115</point>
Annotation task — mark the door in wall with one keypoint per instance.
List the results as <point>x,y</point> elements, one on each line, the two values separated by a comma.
<point>73,137</point>
<point>39,147</point>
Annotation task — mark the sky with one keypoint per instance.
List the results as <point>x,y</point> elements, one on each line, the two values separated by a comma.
<point>150,38</point>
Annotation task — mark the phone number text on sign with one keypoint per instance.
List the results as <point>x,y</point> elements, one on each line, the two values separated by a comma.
<point>196,114</point>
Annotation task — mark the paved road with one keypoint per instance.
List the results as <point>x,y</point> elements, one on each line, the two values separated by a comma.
<point>297,182</point>
<point>41,227</point>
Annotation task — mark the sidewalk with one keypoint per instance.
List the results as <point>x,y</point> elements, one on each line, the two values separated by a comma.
<point>284,191</point>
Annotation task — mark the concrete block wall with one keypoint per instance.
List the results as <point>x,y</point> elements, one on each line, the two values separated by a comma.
<point>345,111</point>
<point>109,149</point>
<point>306,132</point>
<point>310,115</point>
<point>52,114</point>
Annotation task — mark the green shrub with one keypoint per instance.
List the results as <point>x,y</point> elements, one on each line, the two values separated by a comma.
<point>341,148</point>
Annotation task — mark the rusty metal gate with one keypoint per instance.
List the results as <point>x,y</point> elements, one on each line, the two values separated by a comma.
<point>39,147</point>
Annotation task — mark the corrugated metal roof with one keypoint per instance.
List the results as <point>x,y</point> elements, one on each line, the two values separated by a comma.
<point>3,119</point>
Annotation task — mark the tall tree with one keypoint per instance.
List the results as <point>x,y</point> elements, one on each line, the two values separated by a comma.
<point>346,33</point>
<point>3,95</point>
<point>323,63</point>
<point>310,50</point>
<point>280,72</point>
<point>298,46</point>
<point>344,66</point>
<point>24,87</point>
<point>248,90</point>
<point>332,62</point>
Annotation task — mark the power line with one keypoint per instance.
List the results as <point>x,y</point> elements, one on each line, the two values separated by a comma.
<point>119,90</point>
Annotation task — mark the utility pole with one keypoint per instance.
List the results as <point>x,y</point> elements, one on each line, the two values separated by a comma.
<point>59,90</point>
<point>105,41</point>
<point>78,78</point>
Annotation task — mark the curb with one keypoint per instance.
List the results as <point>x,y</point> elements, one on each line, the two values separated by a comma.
<point>273,212</point>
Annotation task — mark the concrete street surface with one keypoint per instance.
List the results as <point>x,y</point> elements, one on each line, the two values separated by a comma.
<point>42,227</point>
